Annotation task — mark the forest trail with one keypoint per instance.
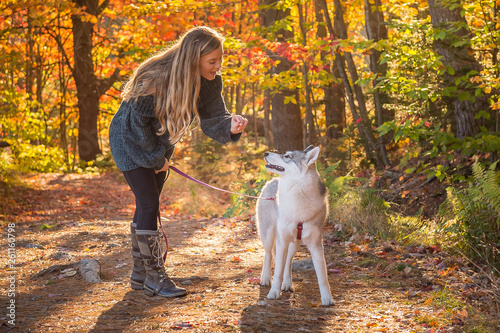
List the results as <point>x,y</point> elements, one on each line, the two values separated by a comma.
<point>62,218</point>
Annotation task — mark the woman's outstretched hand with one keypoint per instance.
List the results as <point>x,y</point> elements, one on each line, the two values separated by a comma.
<point>238,124</point>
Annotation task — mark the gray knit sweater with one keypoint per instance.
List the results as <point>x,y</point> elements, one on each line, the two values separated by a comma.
<point>132,133</point>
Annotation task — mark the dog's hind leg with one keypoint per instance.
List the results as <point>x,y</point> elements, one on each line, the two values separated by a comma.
<point>287,275</point>
<point>318,257</point>
<point>266,218</point>
<point>269,242</point>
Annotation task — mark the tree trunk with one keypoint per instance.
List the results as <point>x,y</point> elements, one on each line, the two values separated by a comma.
<point>29,56</point>
<point>89,87</point>
<point>266,105</point>
<point>362,123</point>
<point>334,100</point>
<point>376,31</point>
<point>286,122</point>
<point>238,99</point>
<point>310,130</point>
<point>461,59</point>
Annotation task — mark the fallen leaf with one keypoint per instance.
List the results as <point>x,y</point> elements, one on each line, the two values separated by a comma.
<point>70,273</point>
<point>182,325</point>
<point>121,265</point>
<point>254,280</point>
<point>336,271</point>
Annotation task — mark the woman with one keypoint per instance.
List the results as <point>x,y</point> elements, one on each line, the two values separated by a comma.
<point>165,94</point>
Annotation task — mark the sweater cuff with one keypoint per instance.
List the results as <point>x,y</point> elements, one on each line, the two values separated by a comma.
<point>160,165</point>
<point>235,137</point>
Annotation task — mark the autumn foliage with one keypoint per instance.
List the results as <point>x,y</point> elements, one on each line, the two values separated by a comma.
<point>418,89</point>
<point>402,96</point>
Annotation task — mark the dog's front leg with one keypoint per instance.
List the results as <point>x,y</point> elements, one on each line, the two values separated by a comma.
<point>279,266</point>
<point>287,279</point>
<point>318,258</point>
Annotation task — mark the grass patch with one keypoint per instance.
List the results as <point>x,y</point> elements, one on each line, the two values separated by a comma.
<point>412,229</point>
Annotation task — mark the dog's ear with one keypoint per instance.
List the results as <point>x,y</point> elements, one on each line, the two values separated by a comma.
<point>308,148</point>
<point>312,156</point>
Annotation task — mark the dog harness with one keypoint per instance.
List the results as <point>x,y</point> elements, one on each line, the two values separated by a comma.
<point>299,230</point>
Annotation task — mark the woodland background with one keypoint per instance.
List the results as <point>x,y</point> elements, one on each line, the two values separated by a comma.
<point>402,96</point>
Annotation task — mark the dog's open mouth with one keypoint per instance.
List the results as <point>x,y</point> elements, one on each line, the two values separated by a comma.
<point>275,167</point>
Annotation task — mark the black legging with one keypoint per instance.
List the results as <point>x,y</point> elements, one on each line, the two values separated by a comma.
<point>146,186</point>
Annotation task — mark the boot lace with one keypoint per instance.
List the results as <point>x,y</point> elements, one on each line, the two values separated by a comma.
<point>156,251</point>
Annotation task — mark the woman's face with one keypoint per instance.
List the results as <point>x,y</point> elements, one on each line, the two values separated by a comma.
<point>211,63</point>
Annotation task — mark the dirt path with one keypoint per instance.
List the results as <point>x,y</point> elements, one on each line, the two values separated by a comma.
<point>376,287</point>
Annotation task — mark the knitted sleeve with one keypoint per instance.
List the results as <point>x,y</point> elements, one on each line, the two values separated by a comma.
<point>215,119</point>
<point>144,147</point>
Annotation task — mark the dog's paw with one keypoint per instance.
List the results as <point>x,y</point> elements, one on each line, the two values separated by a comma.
<point>273,294</point>
<point>265,281</point>
<point>287,286</point>
<point>327,301</point>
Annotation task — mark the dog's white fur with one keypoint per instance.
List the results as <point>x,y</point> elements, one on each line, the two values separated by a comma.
<point>300,197</point>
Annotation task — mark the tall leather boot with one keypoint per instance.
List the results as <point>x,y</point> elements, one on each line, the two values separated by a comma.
<point>139,271</point>
<point>157,281</point>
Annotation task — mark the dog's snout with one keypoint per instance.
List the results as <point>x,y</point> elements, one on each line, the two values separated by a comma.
<point>266,154</point>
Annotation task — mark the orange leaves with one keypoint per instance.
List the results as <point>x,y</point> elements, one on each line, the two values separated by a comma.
<point>448,271</point>
<point>358,248</point>
<point>460,313</point>
<point>236,259</point>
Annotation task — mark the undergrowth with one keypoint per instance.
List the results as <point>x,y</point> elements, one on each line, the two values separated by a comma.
<point>470,217</point>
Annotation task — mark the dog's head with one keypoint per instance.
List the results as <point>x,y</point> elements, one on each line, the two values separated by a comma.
<point>294,163</point>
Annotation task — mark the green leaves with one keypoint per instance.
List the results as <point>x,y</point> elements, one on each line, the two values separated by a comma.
<point>386,127</point>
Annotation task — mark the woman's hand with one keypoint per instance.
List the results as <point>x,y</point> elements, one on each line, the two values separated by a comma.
<point>238,124</point>
<point>164,168</point>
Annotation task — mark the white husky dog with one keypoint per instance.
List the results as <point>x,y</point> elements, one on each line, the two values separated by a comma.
<point>297,215</point>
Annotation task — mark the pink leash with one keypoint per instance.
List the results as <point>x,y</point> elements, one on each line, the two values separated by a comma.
<point>213,187</point>
<point>207,185</point>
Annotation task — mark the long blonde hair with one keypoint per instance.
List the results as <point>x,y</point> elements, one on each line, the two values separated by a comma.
<point>173,77</point>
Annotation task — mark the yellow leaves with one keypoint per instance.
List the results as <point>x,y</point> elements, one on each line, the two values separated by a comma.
<point>86,17</point>
<point>73,132</point>
<point>476,79</point>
